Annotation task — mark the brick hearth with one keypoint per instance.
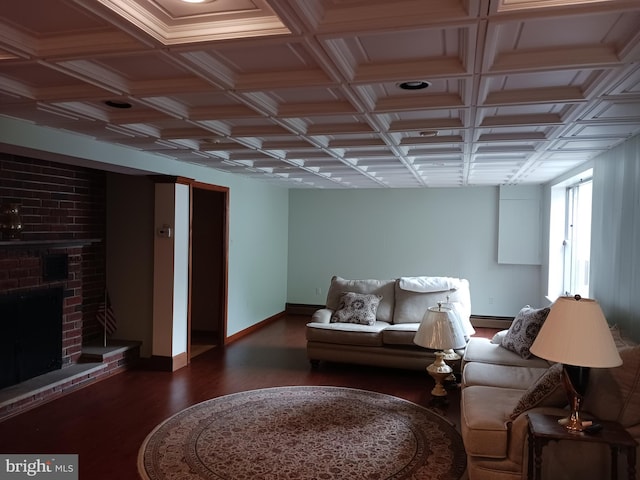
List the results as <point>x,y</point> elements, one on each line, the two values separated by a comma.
<point>96,363</point>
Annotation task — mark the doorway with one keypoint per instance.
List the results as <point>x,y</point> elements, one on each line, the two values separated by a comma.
<point>209,256</point>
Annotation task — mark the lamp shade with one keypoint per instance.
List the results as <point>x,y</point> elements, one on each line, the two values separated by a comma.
<point>462,314</point>
<point>439,330</point>
<point>576,333</point>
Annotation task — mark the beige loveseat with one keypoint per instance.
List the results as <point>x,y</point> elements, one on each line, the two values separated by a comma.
<point>388,342</point>
<point>499,388</point>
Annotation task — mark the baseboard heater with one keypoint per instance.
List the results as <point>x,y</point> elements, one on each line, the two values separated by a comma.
<point>490,321</point>
<point>301,308</point>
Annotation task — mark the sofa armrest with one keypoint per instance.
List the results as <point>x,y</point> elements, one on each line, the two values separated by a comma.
<point>518,437</point>
<point>322,316</point>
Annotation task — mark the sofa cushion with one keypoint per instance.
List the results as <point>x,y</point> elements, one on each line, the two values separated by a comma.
<point>524,330</point>
<point>547,391</point>
<point>401,334</point>
<point>411,305</point>
<point>357,308</point>
<point>346,333</point>
<point>411,302</point>
<point>484,412</point>
<point>482,350</point>
<point>383,288</point>
<point>613,393</point>
<point>503,376</point>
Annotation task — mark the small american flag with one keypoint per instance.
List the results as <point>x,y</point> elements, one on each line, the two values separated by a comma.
<point>106,317</point>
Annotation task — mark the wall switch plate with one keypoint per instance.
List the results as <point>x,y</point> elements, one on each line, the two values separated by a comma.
<point>165,231</point>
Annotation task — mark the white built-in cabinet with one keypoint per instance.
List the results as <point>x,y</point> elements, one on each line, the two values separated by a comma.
<point>520,225</point>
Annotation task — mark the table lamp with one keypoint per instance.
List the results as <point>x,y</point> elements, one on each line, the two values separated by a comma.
<point>466,327</point>
<point>439,330</point>
<point>577,335</point>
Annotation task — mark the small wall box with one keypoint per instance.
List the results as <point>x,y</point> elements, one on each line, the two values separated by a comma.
<point>55,267</point>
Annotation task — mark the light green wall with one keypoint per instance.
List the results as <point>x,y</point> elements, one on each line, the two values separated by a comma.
<point>257,229</point>
<point>615,239</point>
<point>615,234</point>
<point>257,253</point>
<point>391,233</point>
<point>285,245</point>
<point>257,275</point>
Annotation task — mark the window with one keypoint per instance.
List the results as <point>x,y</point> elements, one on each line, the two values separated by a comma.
<point>570,236</point>
<point>577,243</point>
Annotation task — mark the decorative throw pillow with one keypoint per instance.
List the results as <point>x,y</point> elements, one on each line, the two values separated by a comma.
<point>547,391</point>
<point>524,330</point>
<point>497,338</point>
<point>357,308</point>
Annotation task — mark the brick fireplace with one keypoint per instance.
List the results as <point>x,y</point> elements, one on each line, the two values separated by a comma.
<point>62,208</point>
<point>61,246</point>
<point>24,283</point>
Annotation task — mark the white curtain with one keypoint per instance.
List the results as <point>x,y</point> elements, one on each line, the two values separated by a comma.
<point>615,242</point>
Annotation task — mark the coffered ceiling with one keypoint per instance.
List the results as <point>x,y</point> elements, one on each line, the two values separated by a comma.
<point>306,93</point>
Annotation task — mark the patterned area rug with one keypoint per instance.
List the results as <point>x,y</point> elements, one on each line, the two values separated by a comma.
<point>304,433</point>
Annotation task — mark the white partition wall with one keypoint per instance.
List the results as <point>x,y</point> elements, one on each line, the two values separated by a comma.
<point>171,273</point>
<point>181,271</point>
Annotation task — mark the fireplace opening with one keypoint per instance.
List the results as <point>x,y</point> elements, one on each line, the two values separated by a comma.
<point>30,334</point>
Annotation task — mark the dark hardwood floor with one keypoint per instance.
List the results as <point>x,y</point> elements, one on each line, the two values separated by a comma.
<point>105,423</point>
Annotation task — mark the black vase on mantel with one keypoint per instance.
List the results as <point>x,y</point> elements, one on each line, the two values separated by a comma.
<point>10,222</point>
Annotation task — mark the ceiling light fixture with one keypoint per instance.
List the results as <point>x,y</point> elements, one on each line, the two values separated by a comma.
<point>117,104</point>
<point>429,133</point>
<point>414,85</point>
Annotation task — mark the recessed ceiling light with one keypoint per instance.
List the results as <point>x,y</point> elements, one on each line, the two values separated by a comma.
<point>117,104</point>
<point>414,85</point>
<point>428,133</point>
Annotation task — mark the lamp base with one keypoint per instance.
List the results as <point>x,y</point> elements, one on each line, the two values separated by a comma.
<point>439,371</point>
<point>573,423</point>
<point>451,356</point>
<point>575,380</point>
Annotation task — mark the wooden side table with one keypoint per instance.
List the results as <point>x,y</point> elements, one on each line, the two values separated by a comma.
<point>545,428</point>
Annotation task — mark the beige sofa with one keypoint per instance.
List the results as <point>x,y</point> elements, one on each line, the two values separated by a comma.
<point>388,342</point>
<point>495,381</point>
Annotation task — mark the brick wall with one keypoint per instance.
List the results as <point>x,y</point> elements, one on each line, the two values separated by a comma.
<point>57,202</point>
